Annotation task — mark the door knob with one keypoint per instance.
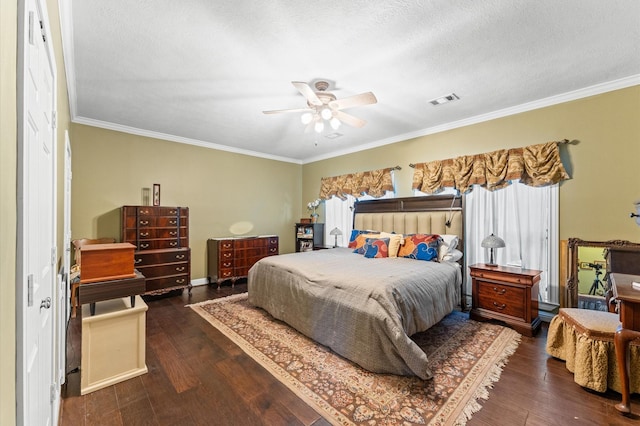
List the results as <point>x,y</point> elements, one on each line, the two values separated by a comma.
<point>46,303</point>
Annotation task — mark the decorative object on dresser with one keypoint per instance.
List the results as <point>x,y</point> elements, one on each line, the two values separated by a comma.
<point>309,236</point>
<point>507,294</point>
<point>230,258</point>
<point>161,236</point>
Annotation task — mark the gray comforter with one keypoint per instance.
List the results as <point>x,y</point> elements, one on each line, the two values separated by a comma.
<point>363,309</point>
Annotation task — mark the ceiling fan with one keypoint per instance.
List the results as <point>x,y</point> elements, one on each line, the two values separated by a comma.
<point>324,106</point>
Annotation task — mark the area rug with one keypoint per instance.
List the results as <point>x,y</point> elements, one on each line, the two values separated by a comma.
<point>466,358</point>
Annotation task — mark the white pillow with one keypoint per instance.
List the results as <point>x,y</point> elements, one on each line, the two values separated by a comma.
<point>447,245</point>
<point>453,256</point>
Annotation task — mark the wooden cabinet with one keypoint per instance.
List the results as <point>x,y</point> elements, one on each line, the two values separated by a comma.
<point>161,237</point>
<point>507,294</point>
<point>231,258</point>
<point>625,260</point>
<point>309,236</point>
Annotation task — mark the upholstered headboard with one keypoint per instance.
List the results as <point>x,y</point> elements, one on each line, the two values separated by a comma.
<point>435,214</point>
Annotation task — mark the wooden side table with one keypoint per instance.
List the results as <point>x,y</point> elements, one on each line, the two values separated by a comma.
<point>628,330</point>
<point>506,294</point>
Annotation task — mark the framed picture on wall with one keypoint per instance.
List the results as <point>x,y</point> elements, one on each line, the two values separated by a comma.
<point>585,266</point>
<point>156,194</point>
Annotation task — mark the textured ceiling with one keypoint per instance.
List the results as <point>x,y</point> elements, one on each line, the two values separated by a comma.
<point>202,71</point>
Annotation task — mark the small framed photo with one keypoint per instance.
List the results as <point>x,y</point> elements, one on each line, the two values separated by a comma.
<point>585,266</point>
<point>156,194</point>
<point>602,263</point>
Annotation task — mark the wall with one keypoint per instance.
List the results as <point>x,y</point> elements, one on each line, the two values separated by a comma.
<point>221,189</point>
<point>8,155</point>
<point>603,162</point>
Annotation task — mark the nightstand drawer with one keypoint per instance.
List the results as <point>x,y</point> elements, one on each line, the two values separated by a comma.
<point>502,277</point>
<point>501,298</point>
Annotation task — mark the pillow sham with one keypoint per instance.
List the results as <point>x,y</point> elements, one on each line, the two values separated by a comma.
<point>361,240</point>
<point>448,243</point>
<point>376,248</point>
<point>354,235</point>
<point>420,246</point>
<point>395,241</point>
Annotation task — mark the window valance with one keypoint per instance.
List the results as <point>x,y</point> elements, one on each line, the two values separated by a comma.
<point>374,183</point>
<point>534,165</point>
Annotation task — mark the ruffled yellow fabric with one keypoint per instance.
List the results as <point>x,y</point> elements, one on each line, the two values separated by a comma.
<point>590,356</point>
<point>374,182</point>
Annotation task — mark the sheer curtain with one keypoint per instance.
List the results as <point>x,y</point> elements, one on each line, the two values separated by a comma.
<point>526,218</point>
<point>339,214</point>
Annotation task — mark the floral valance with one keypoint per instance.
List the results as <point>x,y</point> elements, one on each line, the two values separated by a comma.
<point>534,165</point>
<point>374,182</point>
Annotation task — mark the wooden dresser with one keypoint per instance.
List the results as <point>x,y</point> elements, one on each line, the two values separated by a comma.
<point>231,258</point>
<point>507,294</point>
<point>161,237</point>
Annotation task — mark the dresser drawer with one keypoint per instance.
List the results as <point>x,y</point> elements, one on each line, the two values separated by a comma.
<point>153,271</point>
<point>153,257</point>
<point>161,244</point>
<point>155,221</point>
<point>501,298</point>
<point>163,284</point>
<point>498,276</point>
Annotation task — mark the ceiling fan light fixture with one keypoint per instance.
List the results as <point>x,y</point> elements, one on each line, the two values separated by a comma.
<point>319,126</point>
<point>306,118</point>
<point>326,113</point>
<point>335,123</point>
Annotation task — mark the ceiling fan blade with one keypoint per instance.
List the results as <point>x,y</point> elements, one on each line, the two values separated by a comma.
<point>349,119</point>
<point>307,92</point>
<point>353,101</point>
<point>278,111</point>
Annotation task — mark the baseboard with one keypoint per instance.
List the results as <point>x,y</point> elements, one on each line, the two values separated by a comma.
<point>199,281</point>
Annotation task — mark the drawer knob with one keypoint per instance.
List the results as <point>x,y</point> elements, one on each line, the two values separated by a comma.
<point>497,306</point>
<point>500,290</point>
<point>180,281</point>
<point>173,243</point>
<point>179,256</point>
<point>173,211</point>
<point>138,260</point>
<point>144,222</point>
<point>144,246</point>
<point>180,268</point>
<point>144,234</point>
<point>173,222</point>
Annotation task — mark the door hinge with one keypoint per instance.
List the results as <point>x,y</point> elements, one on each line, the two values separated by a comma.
<point>53,255</point>
<point>30,290</point>
<point>53,392</point>
<point>44,37</point>
<point>54,119</point>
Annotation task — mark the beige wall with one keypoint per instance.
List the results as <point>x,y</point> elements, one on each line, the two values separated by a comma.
<point>604,163</point>
<point>223,190</point>
<point>8,121</point>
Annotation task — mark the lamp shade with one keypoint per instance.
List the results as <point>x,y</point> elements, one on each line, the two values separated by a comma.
<point>492,242</point>
<point>335,231</point>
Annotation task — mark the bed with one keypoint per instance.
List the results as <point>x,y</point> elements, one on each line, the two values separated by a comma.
<point>365,309</point>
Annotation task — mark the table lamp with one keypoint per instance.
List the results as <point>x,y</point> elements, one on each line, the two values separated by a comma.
<point>492,242</point>
<point>335,232</point>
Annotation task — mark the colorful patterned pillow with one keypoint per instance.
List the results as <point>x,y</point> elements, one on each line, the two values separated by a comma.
<point>360,242</point>
<point>420,247</point>
<point>376,248</point>
<point>353,243</point>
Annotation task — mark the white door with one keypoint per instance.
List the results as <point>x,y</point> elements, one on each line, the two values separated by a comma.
<point>37,393</point>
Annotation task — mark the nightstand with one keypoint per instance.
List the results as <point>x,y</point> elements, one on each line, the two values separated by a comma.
<point>506,294</point>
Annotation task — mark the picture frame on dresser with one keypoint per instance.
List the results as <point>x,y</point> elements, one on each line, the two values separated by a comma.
<point>156,194</point>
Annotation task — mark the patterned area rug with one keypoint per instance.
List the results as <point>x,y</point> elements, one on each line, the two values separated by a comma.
<point>466,358</point>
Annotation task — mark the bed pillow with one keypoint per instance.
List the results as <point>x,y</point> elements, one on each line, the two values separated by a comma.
<point>376,248</point>
<point>395,241</point>
<point>453,256</point>
<point>354,235</point>
<point>420,247</point>
<point>448,243</point>
<point>359,242</point>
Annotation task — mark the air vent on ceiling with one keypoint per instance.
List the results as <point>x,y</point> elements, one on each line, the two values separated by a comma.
<point>444,99</point>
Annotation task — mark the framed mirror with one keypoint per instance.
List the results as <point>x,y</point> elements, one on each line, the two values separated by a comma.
<point>587,284</point>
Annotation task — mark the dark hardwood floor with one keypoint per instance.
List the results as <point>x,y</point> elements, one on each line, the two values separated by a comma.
<point>198,377</point>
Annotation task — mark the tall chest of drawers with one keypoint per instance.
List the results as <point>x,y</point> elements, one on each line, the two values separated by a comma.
<point>231,258</point>
<point>161,237</point>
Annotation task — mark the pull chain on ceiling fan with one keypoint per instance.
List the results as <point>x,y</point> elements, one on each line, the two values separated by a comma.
<point>324,106</point>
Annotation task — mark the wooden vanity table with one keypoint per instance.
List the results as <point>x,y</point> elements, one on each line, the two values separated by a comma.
<point>629,308</point>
